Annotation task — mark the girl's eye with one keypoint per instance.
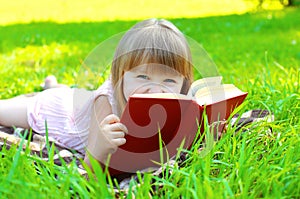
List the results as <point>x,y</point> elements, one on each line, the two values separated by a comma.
<point>143,77</point>
<point>170,80</point>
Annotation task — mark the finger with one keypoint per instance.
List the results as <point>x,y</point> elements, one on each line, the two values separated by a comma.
<point>119,141</point>
<point>118,127</point>
<point>110,119</point>
<point>117,134</point>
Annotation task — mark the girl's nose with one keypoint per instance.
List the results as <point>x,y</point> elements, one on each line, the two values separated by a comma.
<point>155,88</point>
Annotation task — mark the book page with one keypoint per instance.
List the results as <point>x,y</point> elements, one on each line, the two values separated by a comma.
<point>213,94</point>
<point>204,82</point>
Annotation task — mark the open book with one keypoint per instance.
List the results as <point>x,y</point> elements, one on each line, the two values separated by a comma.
<point>167,120</point>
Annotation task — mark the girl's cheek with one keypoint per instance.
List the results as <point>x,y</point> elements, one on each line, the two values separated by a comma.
<point>139,90</point>
<point>173,88</point>
<point>130,91</point>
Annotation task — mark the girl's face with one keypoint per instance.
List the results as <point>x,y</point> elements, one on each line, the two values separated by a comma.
<point>151,78</point>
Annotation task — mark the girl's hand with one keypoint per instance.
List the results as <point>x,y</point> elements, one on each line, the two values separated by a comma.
<point>110,135</point>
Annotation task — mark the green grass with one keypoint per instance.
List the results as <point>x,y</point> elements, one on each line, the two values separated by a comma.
<point>258,52</point>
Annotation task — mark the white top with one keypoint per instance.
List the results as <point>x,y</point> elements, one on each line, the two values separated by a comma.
<point>67,112</point>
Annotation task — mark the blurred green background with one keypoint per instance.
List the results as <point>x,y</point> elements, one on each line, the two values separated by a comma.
<point>62,11</point>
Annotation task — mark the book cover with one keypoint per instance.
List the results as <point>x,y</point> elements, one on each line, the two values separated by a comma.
<point>169,118</point>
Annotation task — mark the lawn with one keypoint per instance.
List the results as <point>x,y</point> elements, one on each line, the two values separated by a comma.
<point>259,52</point>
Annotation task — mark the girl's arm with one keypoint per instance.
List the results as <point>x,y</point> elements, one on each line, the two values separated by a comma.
<point>106,133</point>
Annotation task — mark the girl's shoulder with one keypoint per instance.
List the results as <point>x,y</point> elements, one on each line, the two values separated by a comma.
<point>107,90</point>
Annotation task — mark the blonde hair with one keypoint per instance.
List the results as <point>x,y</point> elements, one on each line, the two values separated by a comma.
<point>151,41</point>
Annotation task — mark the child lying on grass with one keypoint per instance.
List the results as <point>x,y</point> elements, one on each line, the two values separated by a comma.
<point>152,57</point>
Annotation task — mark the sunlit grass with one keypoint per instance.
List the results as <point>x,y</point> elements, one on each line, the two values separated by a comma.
<point>19,11</point>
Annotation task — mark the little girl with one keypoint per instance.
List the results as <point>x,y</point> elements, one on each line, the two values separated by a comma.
<point>152,57</point>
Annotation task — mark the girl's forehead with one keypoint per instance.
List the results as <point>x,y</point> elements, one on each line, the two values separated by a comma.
<point>154,67</point>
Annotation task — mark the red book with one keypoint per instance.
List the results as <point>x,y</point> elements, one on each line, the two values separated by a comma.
<point>172,118</point>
